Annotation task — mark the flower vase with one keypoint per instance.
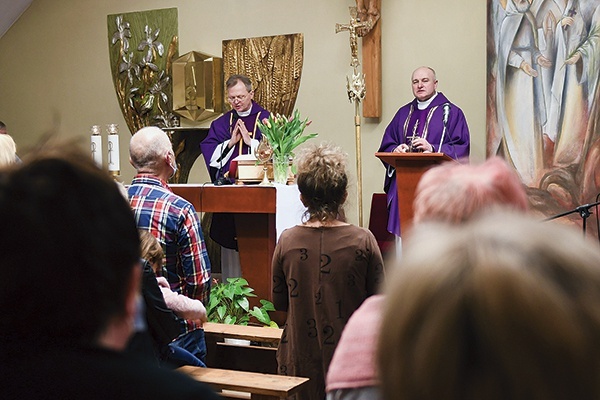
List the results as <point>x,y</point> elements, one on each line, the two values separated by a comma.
<point>281,166</point>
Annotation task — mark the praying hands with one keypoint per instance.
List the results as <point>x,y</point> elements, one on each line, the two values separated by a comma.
<point>238,132</point>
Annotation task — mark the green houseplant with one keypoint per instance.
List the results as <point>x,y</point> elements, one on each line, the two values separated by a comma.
<point>284,135</point>
<point>229,304</point>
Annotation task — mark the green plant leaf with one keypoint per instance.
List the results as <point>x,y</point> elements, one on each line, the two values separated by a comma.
<point>243,303</point>
<point>267,305</point>
<point>261,315</point>
<point>229,304</point>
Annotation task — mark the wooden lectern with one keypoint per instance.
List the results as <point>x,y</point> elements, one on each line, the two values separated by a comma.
<point>254,213</point>
<point>409,168</point>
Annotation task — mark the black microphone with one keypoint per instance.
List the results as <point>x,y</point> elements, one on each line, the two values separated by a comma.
<point>221,180</point>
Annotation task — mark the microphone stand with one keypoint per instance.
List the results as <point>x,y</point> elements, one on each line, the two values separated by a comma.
<point>221,180</point>
<point>584,213</point>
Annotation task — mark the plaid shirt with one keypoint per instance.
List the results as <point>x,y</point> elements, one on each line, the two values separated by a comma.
<point>174,222</point>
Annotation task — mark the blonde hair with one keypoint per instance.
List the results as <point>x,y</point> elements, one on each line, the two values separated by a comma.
<point>503,307</point>
<point>8,150</point>
<point>454,192</point>
<point>151,250</point>
<point>322,180</point>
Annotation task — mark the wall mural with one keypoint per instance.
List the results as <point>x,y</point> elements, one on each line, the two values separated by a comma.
<point>543,97</point>
<point>273,64</point>
<point>142,47</point>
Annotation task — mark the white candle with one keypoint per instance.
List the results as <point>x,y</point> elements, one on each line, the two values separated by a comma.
<point>113,148</point>
<point>96,145</point>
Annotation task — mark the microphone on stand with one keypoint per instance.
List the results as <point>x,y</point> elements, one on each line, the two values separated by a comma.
<point>222,180</point>
<point>445,123</point>
<point>583,211</point>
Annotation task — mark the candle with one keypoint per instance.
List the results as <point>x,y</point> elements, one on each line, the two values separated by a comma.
<point>96,145</point>
<point>113,149</point>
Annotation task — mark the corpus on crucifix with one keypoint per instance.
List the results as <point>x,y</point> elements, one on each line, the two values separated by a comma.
<point>353,28</point>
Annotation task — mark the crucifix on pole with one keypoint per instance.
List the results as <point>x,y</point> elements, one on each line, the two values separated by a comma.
<point>356,93</point>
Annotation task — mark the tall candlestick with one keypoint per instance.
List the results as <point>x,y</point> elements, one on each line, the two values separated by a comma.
<point>96,145</point>
<point>113,149</point>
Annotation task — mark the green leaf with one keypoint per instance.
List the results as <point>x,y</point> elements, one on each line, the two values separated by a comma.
<point>244,303</point>
<point>229,304</point>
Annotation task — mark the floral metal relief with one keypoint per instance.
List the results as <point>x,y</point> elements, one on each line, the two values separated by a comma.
<point>142,46</point>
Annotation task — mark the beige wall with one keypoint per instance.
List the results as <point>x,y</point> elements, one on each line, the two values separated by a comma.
<point>54,72</point>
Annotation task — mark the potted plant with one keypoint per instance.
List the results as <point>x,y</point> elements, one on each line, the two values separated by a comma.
<point>284,135</point>
<point>229,304</point>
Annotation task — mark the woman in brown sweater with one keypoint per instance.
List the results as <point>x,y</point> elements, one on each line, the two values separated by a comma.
<point>322,270</point>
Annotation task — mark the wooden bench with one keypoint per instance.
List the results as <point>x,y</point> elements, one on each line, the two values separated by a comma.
<point>249,385</point>
<point>255,358</point>
<point>252,333</point>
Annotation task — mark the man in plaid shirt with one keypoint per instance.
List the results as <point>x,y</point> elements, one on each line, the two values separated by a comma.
<point>173,221</point>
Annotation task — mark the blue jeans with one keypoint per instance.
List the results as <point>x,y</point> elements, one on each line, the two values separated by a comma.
<point>178,357</point>
<point>194,343</point>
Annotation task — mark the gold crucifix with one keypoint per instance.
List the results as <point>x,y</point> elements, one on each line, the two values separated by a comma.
<point>353,28</point>
<point>356,93</point>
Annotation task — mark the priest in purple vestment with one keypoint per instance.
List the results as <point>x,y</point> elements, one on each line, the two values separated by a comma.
<point>235,132</point>
<point>232,134</point>
<point>428,124</point>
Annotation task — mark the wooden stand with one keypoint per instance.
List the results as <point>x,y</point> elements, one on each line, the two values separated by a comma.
<point>254,208</point>
<point>409,168</point>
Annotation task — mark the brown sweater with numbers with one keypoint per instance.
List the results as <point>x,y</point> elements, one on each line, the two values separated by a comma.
<point>320,277</point>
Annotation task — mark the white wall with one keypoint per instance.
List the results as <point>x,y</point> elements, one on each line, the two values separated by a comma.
<point>55,76</point>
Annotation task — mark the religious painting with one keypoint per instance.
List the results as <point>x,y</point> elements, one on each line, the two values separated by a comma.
<point>543,97</point>
<point>142,46</point>
<point>273,64</point>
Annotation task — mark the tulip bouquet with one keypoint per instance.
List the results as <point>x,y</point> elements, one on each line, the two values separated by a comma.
<point>284,135</point>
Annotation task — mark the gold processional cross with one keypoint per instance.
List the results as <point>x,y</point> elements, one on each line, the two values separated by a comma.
<point>356,93</point>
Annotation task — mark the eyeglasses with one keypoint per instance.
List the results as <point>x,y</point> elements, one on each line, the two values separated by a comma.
<point>239,98</point>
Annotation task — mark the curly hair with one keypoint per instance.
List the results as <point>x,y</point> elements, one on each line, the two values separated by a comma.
<point>322,180</point>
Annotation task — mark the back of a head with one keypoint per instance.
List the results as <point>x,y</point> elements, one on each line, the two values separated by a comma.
<point>322,179</point>
<point>71,245</point>
<point>151,248</point>
<point>8,150</point>
<point>148,147</point>
<point>454,192</point>
<point>503,307</point>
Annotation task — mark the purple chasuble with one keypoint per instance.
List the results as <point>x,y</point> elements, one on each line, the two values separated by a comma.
<point>220,131</point>
<point>222,229</point>
<point>454,143</point>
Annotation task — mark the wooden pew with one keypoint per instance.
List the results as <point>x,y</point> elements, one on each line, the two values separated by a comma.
<point>255,358</point>
<point>261,334</point>
<point>258,386</point>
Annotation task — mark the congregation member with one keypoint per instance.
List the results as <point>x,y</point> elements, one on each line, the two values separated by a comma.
<point>323,270</point>
<point>174,222</point>
<point>70,284</point>
<point>450,193</point>
<point>234,133</point>
<point>183,306</point>
<point>430,123</point>
<point>8,150</point>
<point>163,323</point>
<point>502,307</point>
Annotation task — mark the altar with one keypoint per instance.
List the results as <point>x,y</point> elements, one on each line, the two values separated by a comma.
<point>261,213</point>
